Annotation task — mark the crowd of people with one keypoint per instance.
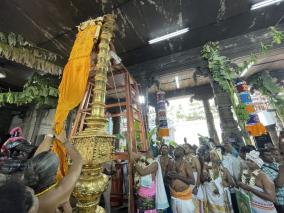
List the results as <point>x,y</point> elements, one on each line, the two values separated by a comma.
<point>34,179</point>
<point>211,178</point>
<point>180,179</point>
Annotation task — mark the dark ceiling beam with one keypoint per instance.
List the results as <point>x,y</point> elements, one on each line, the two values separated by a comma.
<point>234,48</point>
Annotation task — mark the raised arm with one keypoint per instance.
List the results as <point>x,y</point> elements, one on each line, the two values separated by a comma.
<point>228,177</point>
<point>67,184</point>
<point>152,168</point>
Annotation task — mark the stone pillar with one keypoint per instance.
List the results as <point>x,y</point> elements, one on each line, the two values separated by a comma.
<point>210,121</point>
<point>143,90</point>
<point>204,95</point>
<point>229,125</point>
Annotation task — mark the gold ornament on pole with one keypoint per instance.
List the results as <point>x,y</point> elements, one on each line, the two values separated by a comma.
<point>94,143</point>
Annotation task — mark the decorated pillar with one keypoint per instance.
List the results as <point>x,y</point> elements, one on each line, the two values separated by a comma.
<point>253,125</point>
<point>162,115</point>
<point>94,143</point>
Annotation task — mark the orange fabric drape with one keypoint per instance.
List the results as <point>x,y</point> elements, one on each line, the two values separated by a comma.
<point>59,149</point>
<point>256,130</point>
<point>75,76</point>
<point>185,195</point>
<point>164,132</point>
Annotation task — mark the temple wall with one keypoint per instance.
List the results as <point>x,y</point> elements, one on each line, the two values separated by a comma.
<point>35,124</point>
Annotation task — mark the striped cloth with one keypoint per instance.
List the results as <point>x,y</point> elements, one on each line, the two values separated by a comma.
<point>280,196</point>
<point>272,170</point>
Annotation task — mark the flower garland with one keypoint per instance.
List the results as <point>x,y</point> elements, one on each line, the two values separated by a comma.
<point>142,162</point>
<point>249,179</point>
<point>214,173</point>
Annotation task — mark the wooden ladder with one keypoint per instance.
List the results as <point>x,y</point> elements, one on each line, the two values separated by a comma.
<point>129,92</point>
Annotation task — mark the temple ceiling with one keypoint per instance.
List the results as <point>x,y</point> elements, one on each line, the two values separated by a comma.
<point>51,24</point>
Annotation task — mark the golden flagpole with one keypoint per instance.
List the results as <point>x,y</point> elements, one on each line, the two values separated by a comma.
<point>93,143</point>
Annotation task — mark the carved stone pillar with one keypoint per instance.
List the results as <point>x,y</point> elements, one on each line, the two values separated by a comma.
<point>144,107</point>
<point>229,125</point>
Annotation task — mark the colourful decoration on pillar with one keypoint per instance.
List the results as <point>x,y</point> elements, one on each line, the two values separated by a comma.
<point>253,125</point>
<point>162,114</point>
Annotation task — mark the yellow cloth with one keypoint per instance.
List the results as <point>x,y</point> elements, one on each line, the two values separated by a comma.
<point>75,76</point>
<point>185,195</point>
<point>59,149</point>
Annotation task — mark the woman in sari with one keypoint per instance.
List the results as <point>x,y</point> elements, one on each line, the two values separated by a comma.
<point>216,185</point>
<point>145,182</point>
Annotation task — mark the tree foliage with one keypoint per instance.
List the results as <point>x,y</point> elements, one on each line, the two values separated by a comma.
<point>224,74</point>
<point>41,90</point>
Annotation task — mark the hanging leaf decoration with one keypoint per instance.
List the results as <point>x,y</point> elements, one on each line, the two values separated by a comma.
<point>222,73</point>
<point>218,65</point>
<point>14,47</point>
<point>40,90</point>
<point>277,36</point>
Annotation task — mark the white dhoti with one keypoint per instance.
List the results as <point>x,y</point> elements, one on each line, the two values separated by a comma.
<point>198,198</point>
<point>182,201</point>
<point>181,206</point>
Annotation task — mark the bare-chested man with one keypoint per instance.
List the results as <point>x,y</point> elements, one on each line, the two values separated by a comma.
<point>263,190</point>
<point>181,177</point>
<point>164,159</point>
<point>193,160</point>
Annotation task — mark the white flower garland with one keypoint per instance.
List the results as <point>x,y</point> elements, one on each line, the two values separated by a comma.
<point>249,179</point>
